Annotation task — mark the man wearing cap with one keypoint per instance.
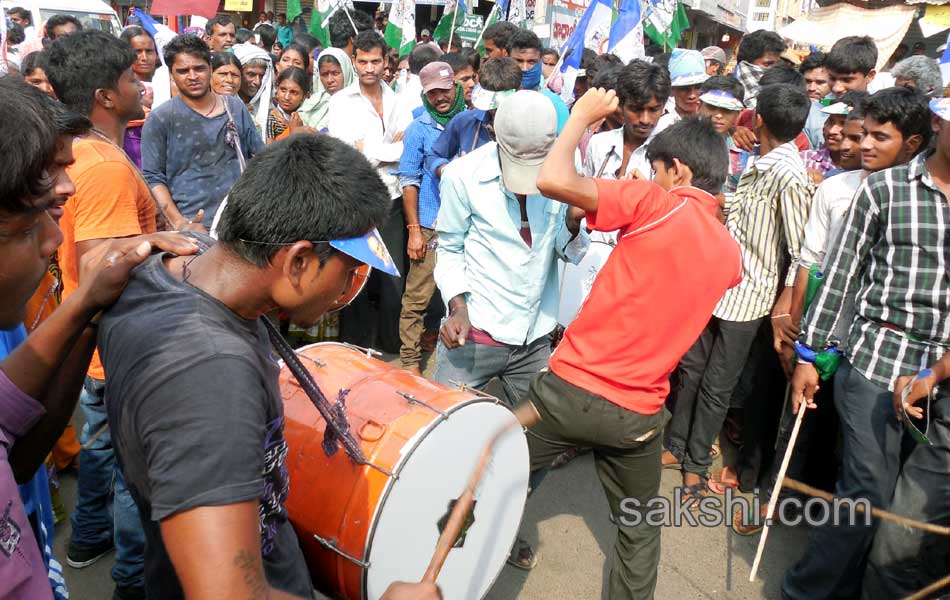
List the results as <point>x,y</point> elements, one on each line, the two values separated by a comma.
<point>825,161</point>
<point>443,99</point>
<point>687,74</point>
<point>425,37</point>
<point>715,58</point>
<point>497,79</point>
<point>499,239</point>
<point>195,410</point>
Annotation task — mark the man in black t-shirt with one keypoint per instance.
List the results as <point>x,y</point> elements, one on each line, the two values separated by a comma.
<point>197,418</point>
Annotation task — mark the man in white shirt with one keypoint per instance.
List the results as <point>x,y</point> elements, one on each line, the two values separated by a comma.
<point>687,74</point>
<point>367,115</point>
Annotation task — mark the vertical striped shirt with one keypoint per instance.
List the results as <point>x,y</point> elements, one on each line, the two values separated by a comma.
<point>893,263</point>
<point>767,217</point>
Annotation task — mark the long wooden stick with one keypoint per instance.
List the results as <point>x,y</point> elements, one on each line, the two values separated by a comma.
<point>777,488</point>
<point>933,587</point>
<point>526,415</point>
<point>494,9</point>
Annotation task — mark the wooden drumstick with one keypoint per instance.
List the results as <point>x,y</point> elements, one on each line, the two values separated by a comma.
<point>526,415</point>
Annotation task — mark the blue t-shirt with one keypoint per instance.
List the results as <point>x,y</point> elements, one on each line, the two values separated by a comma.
<point>189,153</point>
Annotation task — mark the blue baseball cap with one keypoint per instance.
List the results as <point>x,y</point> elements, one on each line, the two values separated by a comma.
<point>368,249</point>
<point>687,67</point>
<point>722,99</point>
<point>941,108</point>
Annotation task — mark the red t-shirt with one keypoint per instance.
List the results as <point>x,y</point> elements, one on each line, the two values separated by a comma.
<point>673,262</point>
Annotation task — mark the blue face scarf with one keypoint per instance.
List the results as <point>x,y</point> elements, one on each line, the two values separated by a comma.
<point>531,79</point>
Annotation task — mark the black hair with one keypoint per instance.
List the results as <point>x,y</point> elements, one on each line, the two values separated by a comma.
<point>499,33</point>
<point>60,20</point>
<point>473,57</point>
<point>907,109</point>
<point>341,30</point>
<point>299,76</point>
<point>852,54</point>
<point>81,63</point>
<point>784,109</point>
<point>306,40</point>
<point>640,81</point>
<point>30,124</point>
<point>327,58</point>
<point>133,31</point>
<point>696,144</point>
<point>220,59</point>
<point>186,44</point>
<point>299,49</point>
<point>369,40</point>
<point>663,60</point>
<point>815,60</point>
<point>280,198</point>
<point>757,44</point>
<point>279,15</point>
<point>456,61</point>
<point>243,35</point>
<point>725,84</point>
<point>600,62</point>
<point>653,50</point>
<point>15,33</point>
<point>268,35</point>
<point>422,55</point>
<point>500,74</point>
<point>22,13</point>
<point>550,52</point>
<point>782,73</point>
<point>33,61</point>
<point>221,20</point>
<point>607,78</point>
<point>523,39</point>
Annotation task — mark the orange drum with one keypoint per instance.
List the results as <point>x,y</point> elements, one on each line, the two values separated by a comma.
<point>362,527</point>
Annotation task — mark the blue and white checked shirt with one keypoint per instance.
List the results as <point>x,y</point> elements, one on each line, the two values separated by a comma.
<point>417,145</point>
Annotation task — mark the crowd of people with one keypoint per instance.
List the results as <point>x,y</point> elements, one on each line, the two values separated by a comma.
<point>780,239</point>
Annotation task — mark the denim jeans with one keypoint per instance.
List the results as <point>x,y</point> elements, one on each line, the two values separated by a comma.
<point>834,559</point>
<point>104,506</point>
<point>476,364</point>
<point>905,560</point>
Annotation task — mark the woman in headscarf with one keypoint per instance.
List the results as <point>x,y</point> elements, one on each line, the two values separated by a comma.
<point>257,82</point>
<point>334,72</point>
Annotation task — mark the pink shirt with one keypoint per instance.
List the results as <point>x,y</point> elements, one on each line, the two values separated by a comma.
<point>22,572</point>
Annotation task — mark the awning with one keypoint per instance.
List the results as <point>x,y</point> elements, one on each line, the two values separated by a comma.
<point>824,26</point>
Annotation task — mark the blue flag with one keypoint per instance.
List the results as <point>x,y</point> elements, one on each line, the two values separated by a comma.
<point>591,32</point>
<point>626,34</point>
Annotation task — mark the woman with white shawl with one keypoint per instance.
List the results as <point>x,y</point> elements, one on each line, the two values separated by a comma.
<point>334,71</point>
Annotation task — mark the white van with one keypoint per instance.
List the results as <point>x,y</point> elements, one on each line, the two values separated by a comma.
<point>93,14</point>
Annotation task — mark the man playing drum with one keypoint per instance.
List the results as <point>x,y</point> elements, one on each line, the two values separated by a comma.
<point>194,403</point>
<point>609,376</point>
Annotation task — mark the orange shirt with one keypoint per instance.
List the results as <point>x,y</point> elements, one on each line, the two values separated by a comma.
<point>653,297</point>
<point>111,201</point>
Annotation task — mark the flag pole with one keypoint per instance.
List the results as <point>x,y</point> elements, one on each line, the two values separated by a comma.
<point>352,24</point>
<point>452,31</point>
<point>494,10</point>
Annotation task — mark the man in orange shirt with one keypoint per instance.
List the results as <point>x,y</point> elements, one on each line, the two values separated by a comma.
<point>91,72</point>
<point>609,376</point>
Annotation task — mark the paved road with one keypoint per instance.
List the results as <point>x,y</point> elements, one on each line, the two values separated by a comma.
<point>568,519</point>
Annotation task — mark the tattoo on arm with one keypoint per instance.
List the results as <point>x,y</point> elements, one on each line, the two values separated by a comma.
<point>253,573</point>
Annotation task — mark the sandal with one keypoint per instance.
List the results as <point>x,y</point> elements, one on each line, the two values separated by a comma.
<point>522,556</point>
<point>727,479</point>
<point>693,494</point>
<point>742,526</point>
<point>673,465</point>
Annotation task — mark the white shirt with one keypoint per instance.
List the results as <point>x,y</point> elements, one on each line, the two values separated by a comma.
<point>605,153</point>
<point>828,210</point>
<point>672,116</point>
<point>352,119</point>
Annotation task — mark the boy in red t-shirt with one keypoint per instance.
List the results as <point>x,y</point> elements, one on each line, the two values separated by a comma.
<point>609,376</point>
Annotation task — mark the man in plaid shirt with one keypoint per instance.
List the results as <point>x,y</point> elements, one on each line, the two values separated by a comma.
<point>892,265</point>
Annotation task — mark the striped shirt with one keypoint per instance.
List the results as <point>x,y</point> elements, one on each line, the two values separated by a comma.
<point>767,212</point>
<point>894,262</point>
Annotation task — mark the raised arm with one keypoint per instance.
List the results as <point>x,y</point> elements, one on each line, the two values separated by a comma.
<point>558,178</point>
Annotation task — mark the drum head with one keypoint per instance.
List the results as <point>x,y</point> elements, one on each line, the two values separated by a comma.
<point>442,459</point>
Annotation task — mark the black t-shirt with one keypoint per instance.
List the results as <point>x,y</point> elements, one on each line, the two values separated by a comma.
<point>196,418</point>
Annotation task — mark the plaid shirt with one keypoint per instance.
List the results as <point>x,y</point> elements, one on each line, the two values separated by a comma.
<point>893,263</point>
<point>819,160</point>
<point>416,147</point>
<point>766,216</point>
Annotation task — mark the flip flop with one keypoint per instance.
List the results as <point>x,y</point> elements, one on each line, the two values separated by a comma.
<point>693,494</point>
<point>719,484</point>
<point>522,556</point>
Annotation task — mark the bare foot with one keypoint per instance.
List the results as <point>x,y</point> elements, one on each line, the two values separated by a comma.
<point>669,460</point>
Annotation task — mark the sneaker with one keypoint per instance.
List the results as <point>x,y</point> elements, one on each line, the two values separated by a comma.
<point>128,593</point>
<point>79,557</point>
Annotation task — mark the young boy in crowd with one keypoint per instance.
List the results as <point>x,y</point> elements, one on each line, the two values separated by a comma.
<point>825,160</point>
<point>687,73</point>
<point>817,85</point>
<point>604,389</point>
<point>766,217</point>
<point>851,64</point>
<point>884,281</point>
<point>722,102</point>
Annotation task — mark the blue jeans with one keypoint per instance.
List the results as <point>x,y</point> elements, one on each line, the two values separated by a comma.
<point>835,558</point>
<point>476,364</point>
<point>101,488</point>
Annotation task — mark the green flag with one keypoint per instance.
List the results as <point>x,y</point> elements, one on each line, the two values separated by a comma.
<point>293,10</point>
<point>319,19</point>
<point>401,29</point>
<point>454,11</point>
<point>665,24</point>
